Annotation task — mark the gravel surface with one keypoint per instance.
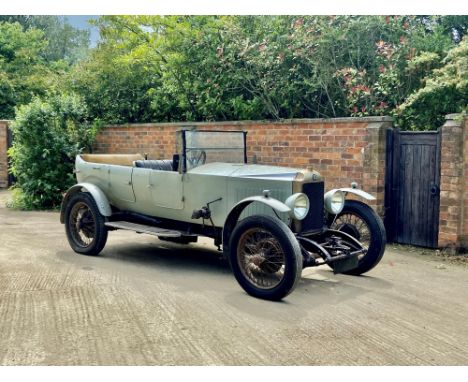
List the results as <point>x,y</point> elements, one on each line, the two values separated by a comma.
<point>148,302</point>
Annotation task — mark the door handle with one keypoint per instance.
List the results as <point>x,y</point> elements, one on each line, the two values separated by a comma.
<point>435,190</point>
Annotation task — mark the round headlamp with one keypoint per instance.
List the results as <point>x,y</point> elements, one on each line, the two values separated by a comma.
<point>334,201</point>
<point>299,204</point>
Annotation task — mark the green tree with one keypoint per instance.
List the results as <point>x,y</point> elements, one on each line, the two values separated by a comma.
<point>445,91</point>
<point>64,42</point>
<point>23,72</point>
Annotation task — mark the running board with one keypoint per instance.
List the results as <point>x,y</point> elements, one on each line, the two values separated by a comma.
<point>141,228</point>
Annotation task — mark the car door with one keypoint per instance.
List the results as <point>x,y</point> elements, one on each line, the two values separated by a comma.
<point>120,183</point>
<point>166,189</point>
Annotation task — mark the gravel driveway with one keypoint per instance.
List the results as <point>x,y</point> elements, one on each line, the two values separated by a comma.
<point>147,302</point>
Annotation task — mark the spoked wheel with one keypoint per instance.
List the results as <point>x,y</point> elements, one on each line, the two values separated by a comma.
<point>361,222</point>
<point>261,258</point>
<point>84,225</point>
<point>351,223</point>
<point>265,257</point>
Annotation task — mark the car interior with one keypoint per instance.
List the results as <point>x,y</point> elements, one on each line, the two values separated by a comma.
<point>134,160</point>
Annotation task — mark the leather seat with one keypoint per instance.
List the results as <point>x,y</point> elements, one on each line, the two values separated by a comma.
<point>162,164</point>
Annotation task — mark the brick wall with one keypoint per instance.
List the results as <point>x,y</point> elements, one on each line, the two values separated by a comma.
<point>341,149</point>
<point>3,154</point>
<point>453,218</point>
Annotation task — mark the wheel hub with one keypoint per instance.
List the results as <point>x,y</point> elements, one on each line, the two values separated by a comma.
<point>351,230</point>
<point>261,258</point>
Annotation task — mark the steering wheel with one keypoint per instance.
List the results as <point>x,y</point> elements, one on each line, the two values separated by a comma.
<point>196,158</point>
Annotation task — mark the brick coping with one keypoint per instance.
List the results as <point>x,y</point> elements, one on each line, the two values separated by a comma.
<point>294,121</point>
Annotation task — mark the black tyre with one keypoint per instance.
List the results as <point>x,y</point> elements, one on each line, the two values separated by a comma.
<point>362,222</point>
<point>84,225</point>
<point>265,257</point>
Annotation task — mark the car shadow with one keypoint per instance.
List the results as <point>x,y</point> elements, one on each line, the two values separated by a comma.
<point>153,256</point>
<point>175,256</point>
<point>198,264</point>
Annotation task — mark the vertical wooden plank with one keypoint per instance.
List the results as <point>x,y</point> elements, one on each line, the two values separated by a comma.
<point>432,201</point>
<point>410,223</point>
<point>425,194</point>
<point>396,183</point>
<point>405,196</point>
<point>389,217</point>
<point>433,218</point>
<point>401,193</point>
<point>416,190</point>
<point>437,182</point>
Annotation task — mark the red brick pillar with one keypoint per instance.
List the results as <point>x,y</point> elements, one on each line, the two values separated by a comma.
<point>374,154</point>
<point>453,185</point>
<point>464,221</point>
<point>3,154</point>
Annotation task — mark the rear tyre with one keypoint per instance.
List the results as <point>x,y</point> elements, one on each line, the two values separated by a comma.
<point>84,225</point>
<point>265,257</point>
<point>362,222</point>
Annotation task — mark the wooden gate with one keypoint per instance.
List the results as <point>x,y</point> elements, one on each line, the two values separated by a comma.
<point>412,194</point>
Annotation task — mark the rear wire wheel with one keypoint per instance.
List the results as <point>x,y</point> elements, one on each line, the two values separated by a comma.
<point>84,225</point>
<point>265,257</point>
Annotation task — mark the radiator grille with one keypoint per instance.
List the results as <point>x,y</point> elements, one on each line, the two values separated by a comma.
<point>315,218</point>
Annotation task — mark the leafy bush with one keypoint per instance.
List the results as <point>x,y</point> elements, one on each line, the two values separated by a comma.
<point>445,92</point>
<point>47,135</point>
<point>198,68</point>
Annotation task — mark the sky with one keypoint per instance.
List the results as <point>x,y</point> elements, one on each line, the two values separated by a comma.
<point>81,22</point>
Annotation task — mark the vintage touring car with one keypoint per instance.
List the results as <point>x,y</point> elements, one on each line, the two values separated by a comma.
<point>270,221</point>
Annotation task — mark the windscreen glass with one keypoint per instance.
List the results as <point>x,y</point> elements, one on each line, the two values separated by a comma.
<point>214,146</point>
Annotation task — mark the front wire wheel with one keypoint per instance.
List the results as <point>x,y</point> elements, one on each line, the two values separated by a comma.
<point>261,258</point>
<point>84,225</point>
<point>352,223</point>
<point>265,257</point>
<point>362,222</point>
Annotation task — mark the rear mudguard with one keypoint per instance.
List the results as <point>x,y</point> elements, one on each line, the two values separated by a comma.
<point>99,197</point>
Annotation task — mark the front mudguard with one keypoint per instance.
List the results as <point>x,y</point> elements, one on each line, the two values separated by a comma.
<point>355,191</point>
<point>236,211</point>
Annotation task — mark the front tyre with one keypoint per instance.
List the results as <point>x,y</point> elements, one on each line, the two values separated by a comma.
<point>84,225</point>
<point>265,257</point>
<point>362,222</point>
